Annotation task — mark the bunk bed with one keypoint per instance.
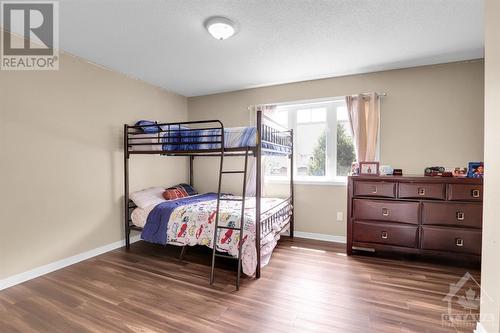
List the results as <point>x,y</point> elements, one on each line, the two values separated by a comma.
<point>209,138</point>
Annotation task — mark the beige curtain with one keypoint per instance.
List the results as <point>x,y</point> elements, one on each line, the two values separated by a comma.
<point>364,115</point>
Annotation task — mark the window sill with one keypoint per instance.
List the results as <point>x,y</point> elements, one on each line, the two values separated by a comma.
<point>340,181</point>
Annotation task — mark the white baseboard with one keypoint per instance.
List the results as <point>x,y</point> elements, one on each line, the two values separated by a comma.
<point>322,237</point>
<point>480,328</point>
<point>54,266</point>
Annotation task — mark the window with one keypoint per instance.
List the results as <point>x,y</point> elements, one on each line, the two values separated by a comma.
<point>324,148</point>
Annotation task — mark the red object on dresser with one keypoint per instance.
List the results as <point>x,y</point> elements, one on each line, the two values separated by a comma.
<point>432,216</point>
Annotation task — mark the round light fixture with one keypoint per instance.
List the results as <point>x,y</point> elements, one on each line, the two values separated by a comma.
<point>220,27</point>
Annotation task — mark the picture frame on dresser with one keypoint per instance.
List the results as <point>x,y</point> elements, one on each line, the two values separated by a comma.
<point>475,170</point>
<point>369,168</point>
<point>429,216</point>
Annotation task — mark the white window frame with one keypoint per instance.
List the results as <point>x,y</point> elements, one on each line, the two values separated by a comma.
<point>331,177</point>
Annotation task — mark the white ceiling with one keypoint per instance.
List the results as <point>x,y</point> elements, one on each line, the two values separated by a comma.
<point>163,42</point>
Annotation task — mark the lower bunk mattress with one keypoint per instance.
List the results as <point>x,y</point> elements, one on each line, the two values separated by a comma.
<point>191,221</point>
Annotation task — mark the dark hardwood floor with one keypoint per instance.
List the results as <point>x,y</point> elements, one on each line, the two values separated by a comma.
<point>309,286</point>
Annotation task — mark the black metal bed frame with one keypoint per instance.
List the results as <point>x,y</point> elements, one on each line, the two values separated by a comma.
<point>170,134</point>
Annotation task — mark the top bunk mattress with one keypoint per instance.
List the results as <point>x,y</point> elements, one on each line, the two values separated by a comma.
<point>186,139</point>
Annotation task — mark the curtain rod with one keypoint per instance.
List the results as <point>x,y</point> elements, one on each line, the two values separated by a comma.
<point>317,100</point>
<point>381,94</point>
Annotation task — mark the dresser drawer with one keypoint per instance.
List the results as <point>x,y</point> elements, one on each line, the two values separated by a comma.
<point>451,240</point>
<point>375,189</point>
<point>382,210</point>
<point>422,191</point>
<point>385,233</point>
<point>462,192</point>
<point>457,214</point>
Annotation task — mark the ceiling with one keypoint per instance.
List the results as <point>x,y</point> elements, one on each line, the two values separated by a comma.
<point>163,42</point>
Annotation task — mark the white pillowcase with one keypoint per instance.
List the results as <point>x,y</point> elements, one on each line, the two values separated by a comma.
<point>148,197</point>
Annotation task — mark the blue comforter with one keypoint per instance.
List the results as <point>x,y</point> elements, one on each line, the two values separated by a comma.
<point>234,137</point>
<point>155,230</point>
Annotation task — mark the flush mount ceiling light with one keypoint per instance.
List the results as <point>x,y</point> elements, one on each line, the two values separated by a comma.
<point>220,27</point>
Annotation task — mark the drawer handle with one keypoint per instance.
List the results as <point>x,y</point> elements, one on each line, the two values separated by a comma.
<point>421,191</point>
<point>384,235</point>
<point>385,212</point>
<point>374,189</point>
<point>476,193</point>
<point>460,216</point>
<point>459,242</point>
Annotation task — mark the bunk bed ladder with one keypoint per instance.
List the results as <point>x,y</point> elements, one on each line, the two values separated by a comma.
<point>241,228</point>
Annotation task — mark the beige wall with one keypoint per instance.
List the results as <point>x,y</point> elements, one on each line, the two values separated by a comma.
<point>61,159</point>
<point>490,277</point>
<point>65,188</point>
<point>432,115</point>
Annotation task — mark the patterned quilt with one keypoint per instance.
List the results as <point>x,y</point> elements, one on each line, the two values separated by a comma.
<point>194,224</point>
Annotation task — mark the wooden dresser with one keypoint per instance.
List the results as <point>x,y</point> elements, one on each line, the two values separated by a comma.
<point>435,216</point>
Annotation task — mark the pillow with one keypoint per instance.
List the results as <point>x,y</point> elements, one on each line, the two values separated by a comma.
<point>147,197</point>
<point>148,129</point>
<point>179,191</point>
<point>174,193</point>
<point>188,188</point>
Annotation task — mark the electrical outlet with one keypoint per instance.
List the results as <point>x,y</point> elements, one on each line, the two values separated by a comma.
<point>340,217</point>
